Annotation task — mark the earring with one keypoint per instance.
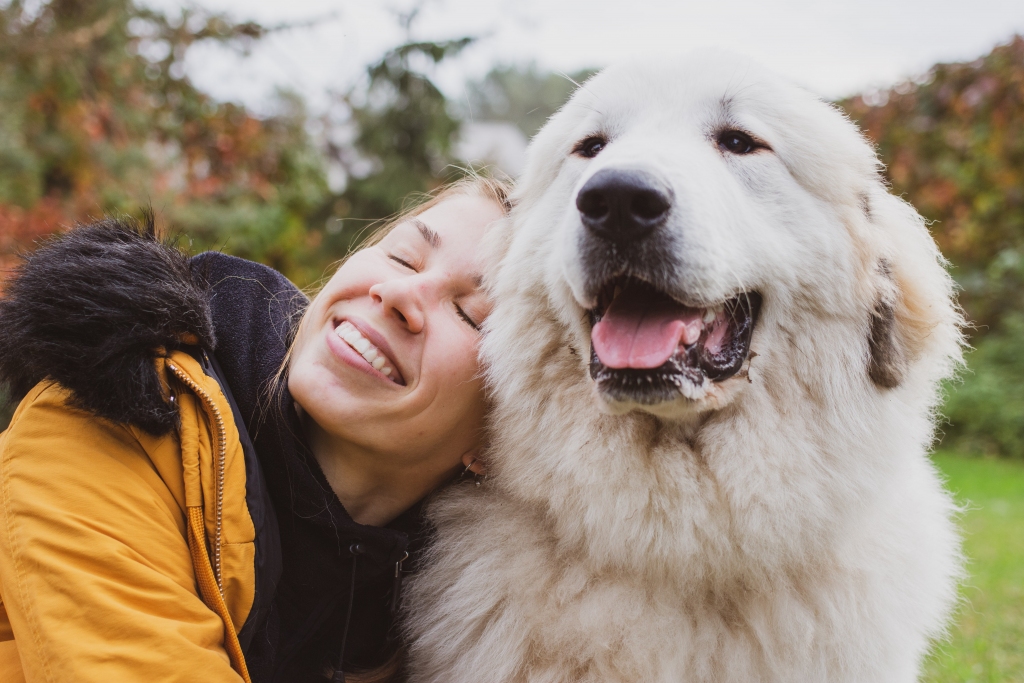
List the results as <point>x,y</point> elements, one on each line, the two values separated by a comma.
<point>478,479</point>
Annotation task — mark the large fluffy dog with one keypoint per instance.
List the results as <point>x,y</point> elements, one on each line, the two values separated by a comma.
<point>714,360</point>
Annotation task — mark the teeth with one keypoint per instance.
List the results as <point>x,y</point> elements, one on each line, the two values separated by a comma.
<point>709,316</point>
<point>366,349</point>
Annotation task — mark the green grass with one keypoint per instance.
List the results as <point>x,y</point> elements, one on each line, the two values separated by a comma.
<point>986,644</point>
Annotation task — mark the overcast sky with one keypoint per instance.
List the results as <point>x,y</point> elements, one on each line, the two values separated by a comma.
<point>833,47</point>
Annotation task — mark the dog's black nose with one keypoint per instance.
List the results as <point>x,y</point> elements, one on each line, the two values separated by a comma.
<point>622,205</point>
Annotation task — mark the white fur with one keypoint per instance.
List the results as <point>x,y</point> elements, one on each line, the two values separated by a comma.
<point>786,525</point>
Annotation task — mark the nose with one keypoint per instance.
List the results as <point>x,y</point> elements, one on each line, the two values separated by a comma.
<point>405,299</point>
<point>621,205</point>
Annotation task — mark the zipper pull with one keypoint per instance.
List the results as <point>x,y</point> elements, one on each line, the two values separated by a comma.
<point>397,587</point>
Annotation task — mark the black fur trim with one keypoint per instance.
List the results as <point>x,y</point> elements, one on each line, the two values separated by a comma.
<point>90,308</point>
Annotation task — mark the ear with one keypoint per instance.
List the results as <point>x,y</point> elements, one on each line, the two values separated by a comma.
<point>472,462</point>
<point>887,364</point>
<point>912,303</point>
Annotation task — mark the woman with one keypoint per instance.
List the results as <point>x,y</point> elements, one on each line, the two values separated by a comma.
<point>183,496</point>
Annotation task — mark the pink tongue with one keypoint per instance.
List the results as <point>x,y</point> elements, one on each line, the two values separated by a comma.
<point>638,333</point>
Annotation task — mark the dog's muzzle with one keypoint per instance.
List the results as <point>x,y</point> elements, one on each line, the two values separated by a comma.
<point>648,347</point>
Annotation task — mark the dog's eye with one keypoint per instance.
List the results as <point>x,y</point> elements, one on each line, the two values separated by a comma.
<point>737,142</point>
<point>590,147</point>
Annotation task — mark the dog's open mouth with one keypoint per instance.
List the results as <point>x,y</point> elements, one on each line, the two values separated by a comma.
<point>648,348</point>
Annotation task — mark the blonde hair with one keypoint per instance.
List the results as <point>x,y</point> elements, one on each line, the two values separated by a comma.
<point>498,190</point>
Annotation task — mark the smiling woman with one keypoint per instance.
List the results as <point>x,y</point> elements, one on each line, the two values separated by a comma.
<point>384,365</point>
<point>224,531</point>
<point>383,370</point>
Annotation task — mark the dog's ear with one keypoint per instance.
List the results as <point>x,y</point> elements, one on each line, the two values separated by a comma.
<point>887,364</point>
<point>913,312</point>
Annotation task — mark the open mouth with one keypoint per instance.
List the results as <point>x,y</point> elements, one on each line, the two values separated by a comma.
<point>648,348</point>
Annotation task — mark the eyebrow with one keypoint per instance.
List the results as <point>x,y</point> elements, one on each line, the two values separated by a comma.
<point>431,237</point>
<point>434,240</point>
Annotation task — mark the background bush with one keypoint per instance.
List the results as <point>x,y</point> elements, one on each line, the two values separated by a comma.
<point>986,411</point>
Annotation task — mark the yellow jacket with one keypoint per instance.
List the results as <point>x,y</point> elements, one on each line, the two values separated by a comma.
<point>124,556</point>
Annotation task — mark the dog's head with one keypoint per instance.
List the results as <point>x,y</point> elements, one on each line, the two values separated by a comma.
<point>686,218</point>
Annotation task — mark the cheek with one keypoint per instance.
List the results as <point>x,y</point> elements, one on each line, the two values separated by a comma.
<point>456,365</point>
<point>353,277</point>
<point>301,384</point>
<point>303,378</point>
<point>310,382</point>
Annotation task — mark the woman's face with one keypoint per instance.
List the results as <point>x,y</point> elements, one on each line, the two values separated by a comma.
<point>387,357</point>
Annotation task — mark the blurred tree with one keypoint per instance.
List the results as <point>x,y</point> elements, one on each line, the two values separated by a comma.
<point>521,95</point>
<point>953,142</point>
<point>99,117</point>
<point>404,135</point>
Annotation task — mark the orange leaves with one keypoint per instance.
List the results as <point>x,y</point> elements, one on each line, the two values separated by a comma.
<point>98,118</point>
<point>954,146</point>
<point>20,228</point>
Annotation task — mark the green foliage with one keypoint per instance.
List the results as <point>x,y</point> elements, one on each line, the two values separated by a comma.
<point>984,644</point>
<point>405,130</point>
<point>986,412</point>
<point>100,118</point>
<point>524,96</point>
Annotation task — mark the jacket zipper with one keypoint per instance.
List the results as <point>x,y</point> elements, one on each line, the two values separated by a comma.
<point>221,460</point>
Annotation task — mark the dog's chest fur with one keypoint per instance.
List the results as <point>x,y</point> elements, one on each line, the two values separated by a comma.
<point>508,598</point>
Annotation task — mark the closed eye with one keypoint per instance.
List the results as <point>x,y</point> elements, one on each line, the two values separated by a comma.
<point>466,318</point>
<point>400,261</point>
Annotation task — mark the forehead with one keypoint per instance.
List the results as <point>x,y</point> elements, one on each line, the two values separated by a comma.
<point>699,92</point>
<point>455,228</point>
<point>465,216</point>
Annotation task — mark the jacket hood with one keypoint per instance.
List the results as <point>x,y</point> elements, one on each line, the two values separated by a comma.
<point>93,308</point>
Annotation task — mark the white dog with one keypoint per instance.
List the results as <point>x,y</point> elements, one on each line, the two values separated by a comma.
<point>714,359</point>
